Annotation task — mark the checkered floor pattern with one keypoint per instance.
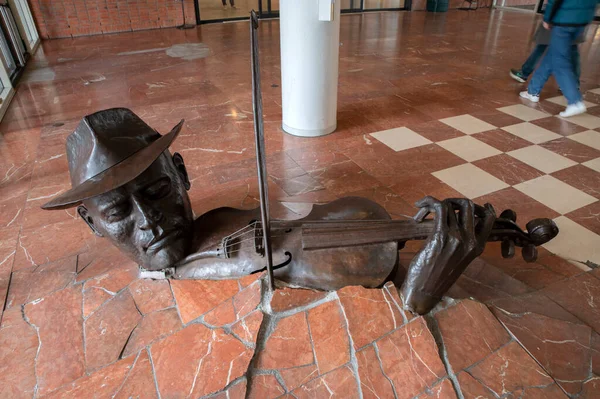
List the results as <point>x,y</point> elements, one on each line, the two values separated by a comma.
<point>546,159</point>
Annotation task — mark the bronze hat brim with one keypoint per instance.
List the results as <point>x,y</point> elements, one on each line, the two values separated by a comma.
<point>117,175</point>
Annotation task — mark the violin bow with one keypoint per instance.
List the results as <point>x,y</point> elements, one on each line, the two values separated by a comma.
<point>259,137</point>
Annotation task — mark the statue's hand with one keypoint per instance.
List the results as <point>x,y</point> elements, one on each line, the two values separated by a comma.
<point>456,241</point>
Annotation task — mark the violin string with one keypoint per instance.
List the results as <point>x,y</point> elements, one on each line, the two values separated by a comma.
<point>239,234</point>
<point>242,247</point>
<point>250,239</point>
<point>236,233</point>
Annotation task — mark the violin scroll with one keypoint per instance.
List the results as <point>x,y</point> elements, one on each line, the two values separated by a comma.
<point>542,230</point>
<point>539,232</point>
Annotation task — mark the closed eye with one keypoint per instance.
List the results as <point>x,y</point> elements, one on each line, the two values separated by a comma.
<point>159,189</point>
<point>117,212</point>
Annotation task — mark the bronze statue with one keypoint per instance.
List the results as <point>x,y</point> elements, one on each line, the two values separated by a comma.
<point>129,189</point>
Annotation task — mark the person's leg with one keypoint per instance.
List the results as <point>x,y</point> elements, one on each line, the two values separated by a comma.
<point>540,76</point>
<point>576,59</point>
<point>224,3</point>
<point>531,62</point>
<point>232,2</point>
<point>560,53</point>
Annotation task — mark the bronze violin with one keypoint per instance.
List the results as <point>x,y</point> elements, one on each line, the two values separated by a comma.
<point>350,241</point>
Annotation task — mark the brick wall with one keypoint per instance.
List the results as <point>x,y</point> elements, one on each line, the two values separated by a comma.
<point>70,18</point>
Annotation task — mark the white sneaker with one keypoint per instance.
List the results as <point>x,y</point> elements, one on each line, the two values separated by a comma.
<point>530,97</point>
<point>574,109</point>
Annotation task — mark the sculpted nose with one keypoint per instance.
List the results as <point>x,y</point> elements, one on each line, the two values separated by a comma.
<point>148,215</point>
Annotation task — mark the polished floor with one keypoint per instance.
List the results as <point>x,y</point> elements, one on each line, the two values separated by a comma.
<point>426,107</point>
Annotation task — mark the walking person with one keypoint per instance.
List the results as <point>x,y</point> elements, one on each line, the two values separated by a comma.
<point>231,2</point>
<point>542,40</point>
<point>566,19</point>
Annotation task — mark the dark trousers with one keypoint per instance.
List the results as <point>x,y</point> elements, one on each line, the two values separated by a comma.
<point>537,53</point>
<point>232,2</point>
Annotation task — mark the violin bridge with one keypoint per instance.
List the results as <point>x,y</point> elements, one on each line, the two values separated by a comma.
<point>224,250</point>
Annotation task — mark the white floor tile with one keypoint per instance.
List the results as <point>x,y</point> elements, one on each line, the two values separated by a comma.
<point>401,138</point>
<point>470,181</point>
<point>574,242</point>
<point>468,124</point>
<point>555,194</point>
<point>469,148</point>
<point>542,159</point>
<point>590,138</point>
<point>586,120</point>
<point>532,133</point>
<point>593,164</point>
<point>524,112</point>
<point>561,100</point>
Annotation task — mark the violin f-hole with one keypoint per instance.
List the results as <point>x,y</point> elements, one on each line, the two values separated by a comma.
<point>279,266</point>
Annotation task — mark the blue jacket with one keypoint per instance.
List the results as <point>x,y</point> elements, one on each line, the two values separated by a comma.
<point>570,12</point>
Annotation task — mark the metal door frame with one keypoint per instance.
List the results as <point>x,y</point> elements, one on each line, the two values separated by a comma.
<point>268,13</point>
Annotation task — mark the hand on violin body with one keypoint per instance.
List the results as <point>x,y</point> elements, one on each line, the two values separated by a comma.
<point>461,230</point>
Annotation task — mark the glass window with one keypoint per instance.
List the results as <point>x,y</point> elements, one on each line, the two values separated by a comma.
<point>529,5</point>
<point>274,5</point>
<point>381,4</point>
<point>27,20</point>
<point>227,9</point>
<point>351,5</point>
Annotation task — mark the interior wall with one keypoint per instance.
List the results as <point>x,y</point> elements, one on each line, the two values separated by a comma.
<point>70,18</point>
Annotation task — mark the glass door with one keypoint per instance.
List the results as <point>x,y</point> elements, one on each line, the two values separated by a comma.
<point>351,5</point>
<point>13,37</point>
<point>224,10</point>
<point>31,35</point>
<point>9,61</point>
<point>523,5</point>
<point>269,8</point>
<point>384,4</point>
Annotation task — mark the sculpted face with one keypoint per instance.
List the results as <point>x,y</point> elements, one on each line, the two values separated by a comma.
<point>149,218</point>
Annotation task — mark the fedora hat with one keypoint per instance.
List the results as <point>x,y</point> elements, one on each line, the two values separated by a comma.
<point>107,150</point>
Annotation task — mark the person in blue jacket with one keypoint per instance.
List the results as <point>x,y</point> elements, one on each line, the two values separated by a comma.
<point>542,41</point>
<point>566,19</point>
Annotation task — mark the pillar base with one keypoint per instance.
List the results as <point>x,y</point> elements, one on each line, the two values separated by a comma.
<point>308,133</point>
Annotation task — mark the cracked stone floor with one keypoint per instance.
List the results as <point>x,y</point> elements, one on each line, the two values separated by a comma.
<point>425,107</point>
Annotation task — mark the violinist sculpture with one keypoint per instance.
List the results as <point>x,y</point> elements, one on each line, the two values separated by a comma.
<point>130,189</point>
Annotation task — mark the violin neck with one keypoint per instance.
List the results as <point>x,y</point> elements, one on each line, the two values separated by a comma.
<point>332,234</point>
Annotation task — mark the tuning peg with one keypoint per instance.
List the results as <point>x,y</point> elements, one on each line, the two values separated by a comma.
<point>509,214</point>
<point>530,253</point>
<point>508,249</point>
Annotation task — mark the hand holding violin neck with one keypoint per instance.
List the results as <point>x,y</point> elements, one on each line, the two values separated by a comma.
<point>460,230</point>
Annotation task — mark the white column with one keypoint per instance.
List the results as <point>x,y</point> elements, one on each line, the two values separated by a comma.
<point>310,40</point>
